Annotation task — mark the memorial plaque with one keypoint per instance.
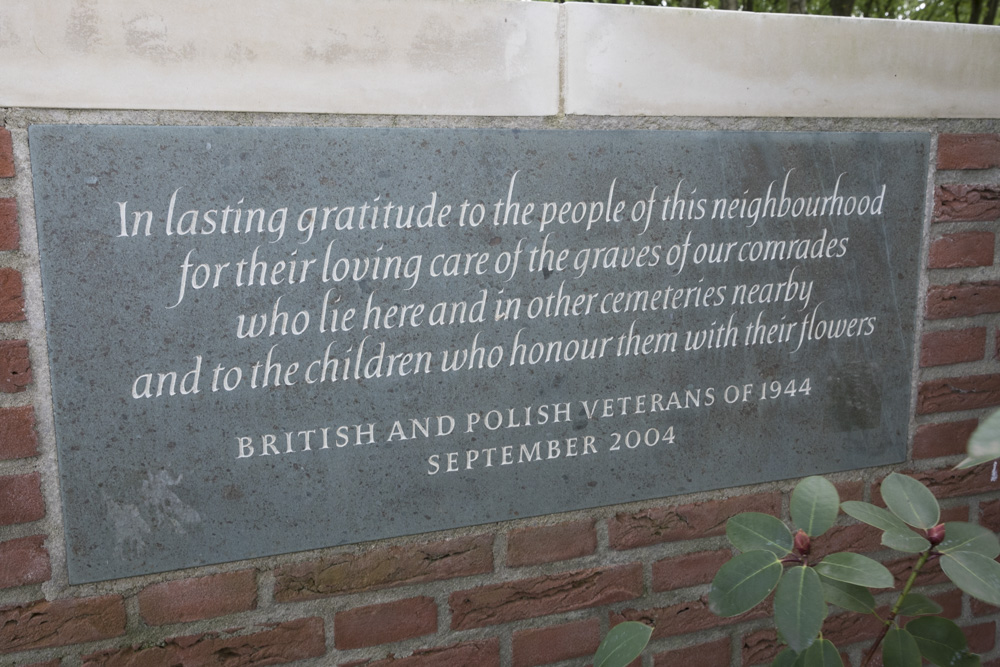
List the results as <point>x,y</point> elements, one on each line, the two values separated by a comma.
<point>265,340</point>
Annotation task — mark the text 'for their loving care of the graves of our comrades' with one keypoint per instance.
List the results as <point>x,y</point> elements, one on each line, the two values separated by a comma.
<point>269,340</point>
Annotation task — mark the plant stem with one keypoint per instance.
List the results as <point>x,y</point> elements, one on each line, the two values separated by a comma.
<point>895,608</point>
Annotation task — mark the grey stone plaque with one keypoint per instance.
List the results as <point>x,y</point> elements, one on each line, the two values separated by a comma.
<point>265,340</point>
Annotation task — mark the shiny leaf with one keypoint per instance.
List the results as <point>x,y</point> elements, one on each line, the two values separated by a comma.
<point>962,536</point>
<point>940,640</point>
<point>855,569</point>
<point>754,531</point>
<point>873,515</point>
<point>821,654</point>
<point>814,505</point>
<point>899,649</point>
<point>984,445</point>
<point>848,596</point>
<point>744,582</point>
<point>974,573</point>
<point>623,644</point>
<point>915,604</point>
<point>905,540</point>
<point>911,501</point>
<point>799,608</point>
<point>787,658</point>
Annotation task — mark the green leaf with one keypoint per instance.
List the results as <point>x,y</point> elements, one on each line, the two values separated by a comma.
<point>744,582</point>
<point>963,536</point>
<point>899,649</point>
<point>984,445</point>
<point>855,569</point>
<point>786,658</point>
<point>799,608</point>
<point>915,604</point>
<point>623,644</point>
<point>821,654</point>
<point>873,515</point>
<point>940,641</point>
<point>905,540</point>
<point>911,501</point>
<point>754,531</point>
<point>974,573</point>
<point>814,505</point>
<point>848,596</point>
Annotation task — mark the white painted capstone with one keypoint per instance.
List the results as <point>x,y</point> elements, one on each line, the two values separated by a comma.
<point>682,62</point>
<point>474,57</point>
<point>487,58</point>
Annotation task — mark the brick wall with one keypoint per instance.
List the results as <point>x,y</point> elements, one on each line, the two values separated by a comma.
<point>523,593</point>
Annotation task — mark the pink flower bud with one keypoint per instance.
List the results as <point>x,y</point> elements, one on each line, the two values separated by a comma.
<point>935,535</point>
<point>802,543</point>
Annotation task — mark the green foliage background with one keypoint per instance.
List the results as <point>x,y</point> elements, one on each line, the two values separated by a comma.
<point>983,12</point>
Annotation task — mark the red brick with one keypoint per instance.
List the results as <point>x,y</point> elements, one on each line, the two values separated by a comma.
<point>842,628</point>
<point>955,203</point>
<point>43,624</point>
<point>199,597</point>
<point>962,250</point>
<point>760,647</point>
<point>17,433</point>
<point>982,637</point>
<point>541,646</point>
<point>382,568</point>
<point>541,596</point>
<point>968,151</point>
<point>684,522</point>
<point>688,570</point>
<point>11,295</point>
<point>15,367</point>
<point>930,573</point>
<point>849,628</point>
<point>547,544</point>
<point>942,439</point>
<point>980,608</point>
<point>949,483</point>
<point>10,235</point>
<point>960,513</point>
<point>962,300</point>
<point>6,154</point>
<point>850,490</point>
<point>958,393</point>
<point>685,617</point>
<point>857,538</point>
<point>711,654</point>
<point>24,561</point>
<point>278,644</point>
<point>940,348</point>
<point>385,623</point>
<point>485,653</point>
<point>21,499</point>
<point>989,515</point>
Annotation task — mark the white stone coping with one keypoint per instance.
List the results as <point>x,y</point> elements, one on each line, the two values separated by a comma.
<point>685,62</point>
<point>487,58</point>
